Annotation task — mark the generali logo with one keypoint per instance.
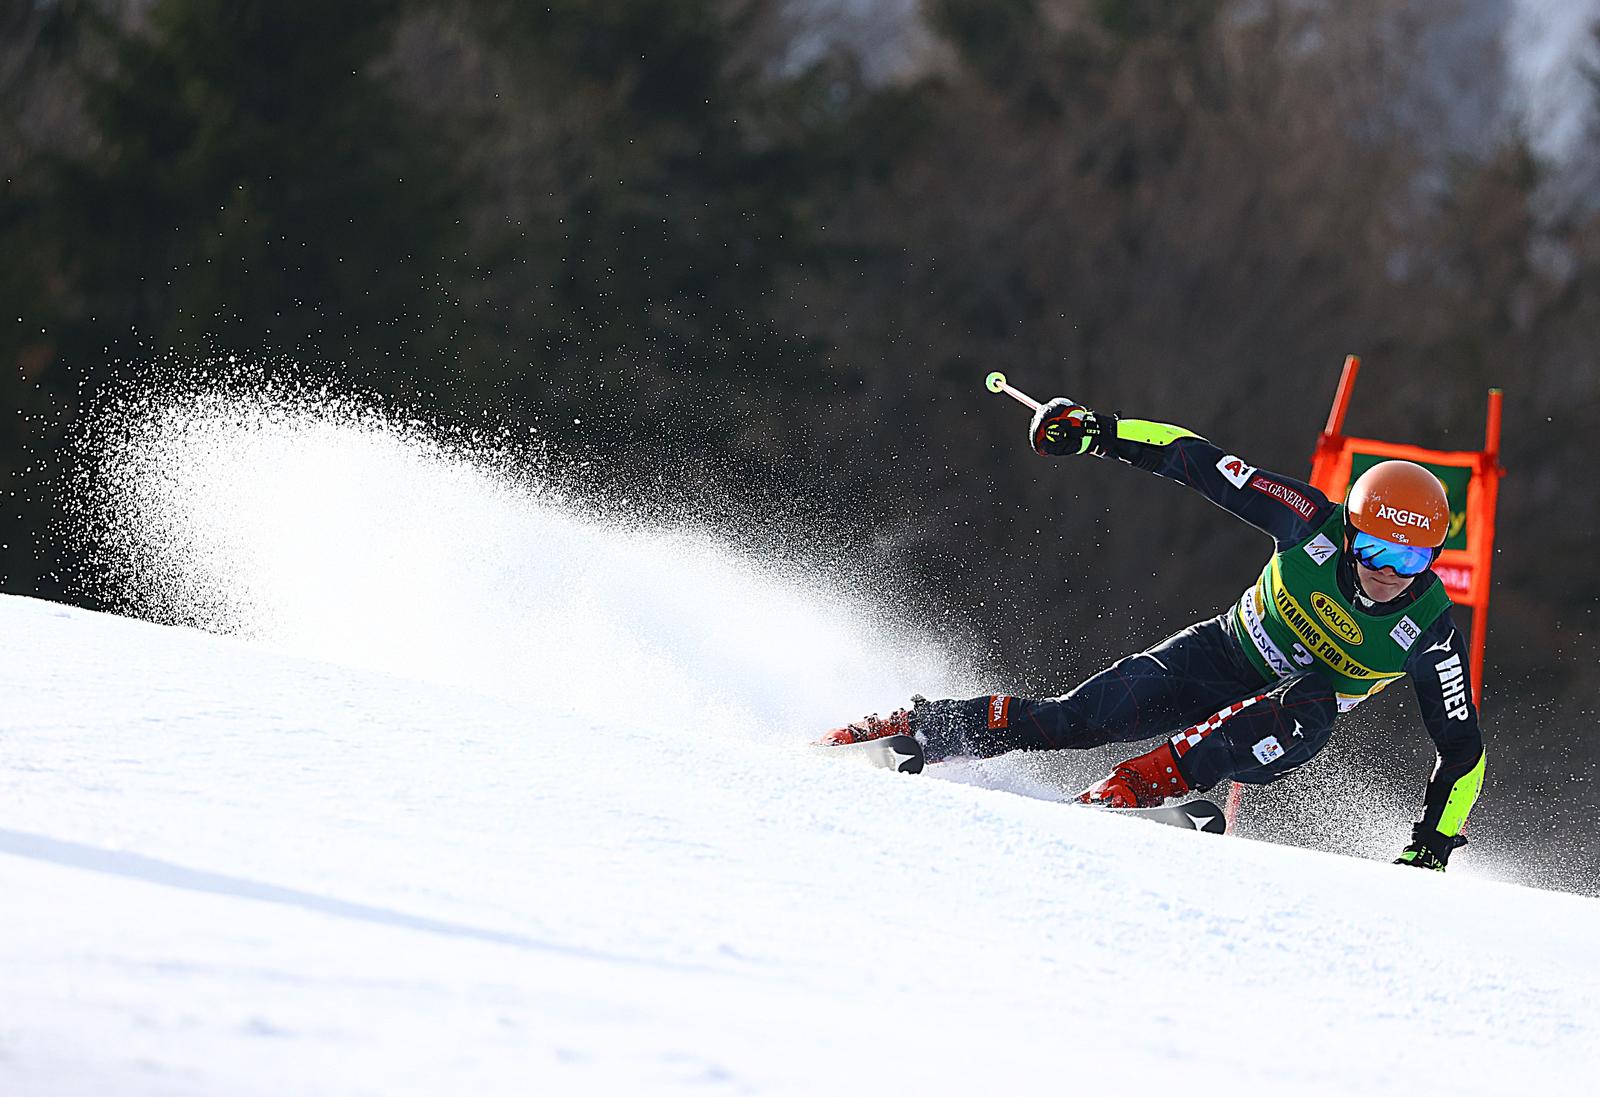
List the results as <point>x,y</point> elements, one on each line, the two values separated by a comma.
<point>1336,618</point>
<point>1286,495</point>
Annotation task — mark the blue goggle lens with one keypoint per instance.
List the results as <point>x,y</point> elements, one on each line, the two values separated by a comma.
<point>1377,553</point>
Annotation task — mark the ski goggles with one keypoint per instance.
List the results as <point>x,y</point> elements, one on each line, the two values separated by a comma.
<point>1375,552</point>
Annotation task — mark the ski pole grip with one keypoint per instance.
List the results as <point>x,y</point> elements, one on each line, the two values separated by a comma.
<point>996,382</point>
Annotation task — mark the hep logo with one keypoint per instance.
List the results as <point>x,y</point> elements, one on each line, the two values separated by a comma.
<point>1453,681</point>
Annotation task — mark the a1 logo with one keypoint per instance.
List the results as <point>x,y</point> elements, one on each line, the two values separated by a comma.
<point>1235,471</point>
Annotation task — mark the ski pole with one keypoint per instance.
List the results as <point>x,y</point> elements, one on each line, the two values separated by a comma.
<point>996,382</point>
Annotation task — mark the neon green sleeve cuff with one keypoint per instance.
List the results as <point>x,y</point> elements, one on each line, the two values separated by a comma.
<point>1151,434</point>
<point>1462,796</point>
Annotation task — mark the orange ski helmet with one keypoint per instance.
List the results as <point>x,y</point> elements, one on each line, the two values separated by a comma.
<point>1400,501</point>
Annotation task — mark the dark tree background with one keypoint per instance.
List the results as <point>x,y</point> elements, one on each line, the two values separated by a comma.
<point>684,219</point>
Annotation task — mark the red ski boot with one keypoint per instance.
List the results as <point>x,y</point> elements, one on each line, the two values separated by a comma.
<point>1142,782</point>
<point>871,727</point>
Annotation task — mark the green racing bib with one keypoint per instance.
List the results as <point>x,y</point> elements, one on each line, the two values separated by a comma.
<point>1295,620</point>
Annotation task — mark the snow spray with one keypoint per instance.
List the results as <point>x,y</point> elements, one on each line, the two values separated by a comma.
<point>331,526</point>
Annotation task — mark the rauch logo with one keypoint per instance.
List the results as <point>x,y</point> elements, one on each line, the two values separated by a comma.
<point>1336,618</point>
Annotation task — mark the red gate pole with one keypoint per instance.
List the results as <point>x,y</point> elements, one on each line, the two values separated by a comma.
<point>1331,441</point>
<point>1491,471</point>
<point>1341,398</point>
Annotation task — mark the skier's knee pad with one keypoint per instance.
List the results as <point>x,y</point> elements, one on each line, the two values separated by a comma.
<point>1294,724</point>
<point>1259,739</point>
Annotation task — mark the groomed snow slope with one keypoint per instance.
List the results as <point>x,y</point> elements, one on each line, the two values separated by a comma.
<point>549,827</point>
<point>233,872</point>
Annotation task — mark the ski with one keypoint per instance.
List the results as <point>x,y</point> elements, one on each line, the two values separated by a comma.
<point>1190,815</point>
<point>901,753</point>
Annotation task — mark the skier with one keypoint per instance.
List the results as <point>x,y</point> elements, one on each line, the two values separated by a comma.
<point>1345,606</point>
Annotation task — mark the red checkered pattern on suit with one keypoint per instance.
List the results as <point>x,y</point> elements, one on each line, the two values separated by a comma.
<point>1189,738</point>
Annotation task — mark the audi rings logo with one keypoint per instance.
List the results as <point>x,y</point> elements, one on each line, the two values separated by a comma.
<point>1336,618</point>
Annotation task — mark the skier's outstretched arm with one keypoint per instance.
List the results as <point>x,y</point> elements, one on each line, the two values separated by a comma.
<point>1282,506</point>
<point>1439,669</point>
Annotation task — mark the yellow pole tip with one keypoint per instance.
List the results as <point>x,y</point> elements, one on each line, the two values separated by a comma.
<point>996,381</point>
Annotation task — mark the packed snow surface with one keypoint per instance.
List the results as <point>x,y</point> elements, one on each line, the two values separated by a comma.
<point>485,792</point>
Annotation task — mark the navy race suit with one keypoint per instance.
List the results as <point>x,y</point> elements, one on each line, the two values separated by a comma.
<point>1227,717</point>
